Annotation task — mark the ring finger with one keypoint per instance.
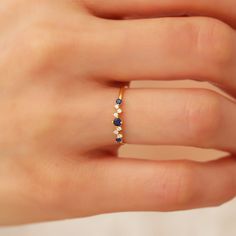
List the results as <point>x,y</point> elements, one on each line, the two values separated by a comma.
<point>188,117</point>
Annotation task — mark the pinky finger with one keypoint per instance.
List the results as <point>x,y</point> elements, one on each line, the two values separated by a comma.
<point>139,185</point>
<point>106,185</point>
<point>121,185</point>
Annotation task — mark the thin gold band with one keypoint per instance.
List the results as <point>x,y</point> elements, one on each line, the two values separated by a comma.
<point>121,93</point>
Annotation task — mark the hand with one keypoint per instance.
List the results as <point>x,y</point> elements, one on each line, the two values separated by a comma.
<point>61,65</point>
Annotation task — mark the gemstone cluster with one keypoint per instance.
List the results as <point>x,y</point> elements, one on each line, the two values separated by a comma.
<point>118,121</point>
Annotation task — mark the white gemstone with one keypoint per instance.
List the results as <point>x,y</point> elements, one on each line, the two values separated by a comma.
<point>119,110</point>
<point>117,106</point>
<point>116,132</point>
<point>119,128</point>
<point>116,115</point>
<point>119,136</point>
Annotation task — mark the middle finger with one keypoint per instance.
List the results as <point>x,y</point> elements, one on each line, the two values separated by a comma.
<point>170,48</point>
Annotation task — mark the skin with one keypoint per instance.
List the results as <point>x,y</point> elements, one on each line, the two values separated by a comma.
<point>61,65</point>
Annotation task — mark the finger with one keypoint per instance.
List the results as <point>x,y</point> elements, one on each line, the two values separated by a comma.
<point>128,185</point>
<point>177,48</point>
<point>70,188</point>
<point>117,185</point>
<point>188,117</point>
<point>224,10</point>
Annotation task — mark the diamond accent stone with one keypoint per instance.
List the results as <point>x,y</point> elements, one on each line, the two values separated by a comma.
<point>119,128</point>
<point>116,132</point>
<point>117,106</point>
<point>119,136</point>
<point>119,110</point>
<point>116,115</point>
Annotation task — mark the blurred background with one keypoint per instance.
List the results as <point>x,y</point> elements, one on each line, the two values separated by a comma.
<point>219,221</point>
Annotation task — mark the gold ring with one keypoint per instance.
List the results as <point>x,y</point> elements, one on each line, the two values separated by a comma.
<point>118,121</point>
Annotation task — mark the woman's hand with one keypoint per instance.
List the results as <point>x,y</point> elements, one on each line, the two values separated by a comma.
<point>61,64</point>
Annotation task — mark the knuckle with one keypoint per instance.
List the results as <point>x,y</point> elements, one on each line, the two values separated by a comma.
<point>44,183</point>
<point>203,117</point>
<point>43,48</point>
<point>43,192</point>
<point>214,42</point>
<point>176,189</point>
<point>57,186</point>
<point>49,191</point>
<point>184,193</point>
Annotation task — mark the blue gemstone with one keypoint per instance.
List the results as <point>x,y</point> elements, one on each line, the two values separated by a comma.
<point>117,122</point>
<point>119,101</point>
<point>119,140</point>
